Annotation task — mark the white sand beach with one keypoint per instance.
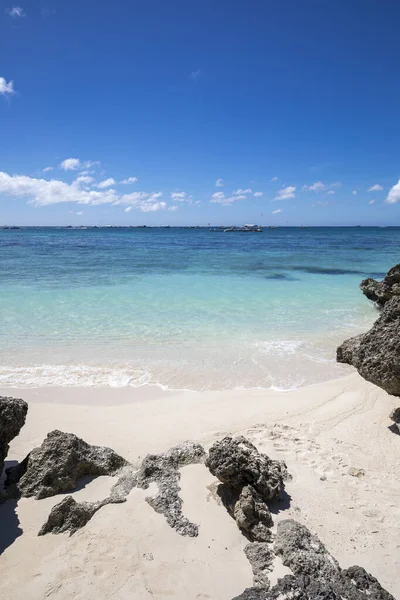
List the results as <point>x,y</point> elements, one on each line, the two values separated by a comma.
<point>334,438</point>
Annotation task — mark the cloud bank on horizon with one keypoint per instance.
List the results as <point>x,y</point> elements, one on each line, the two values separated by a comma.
<point>84,189</point>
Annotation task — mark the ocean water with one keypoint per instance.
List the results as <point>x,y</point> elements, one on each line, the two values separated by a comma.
<point>184,308</point>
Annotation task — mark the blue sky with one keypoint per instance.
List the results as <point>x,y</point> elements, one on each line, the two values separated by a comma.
<point>290,105</point>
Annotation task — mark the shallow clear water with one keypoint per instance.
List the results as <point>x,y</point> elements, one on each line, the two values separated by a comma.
<point>184,308</point>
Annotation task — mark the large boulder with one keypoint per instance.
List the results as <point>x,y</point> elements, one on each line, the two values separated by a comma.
<point>12,418</point>
<point>376,354</point>
<point>237,463</point>
<point>382,291</point>
<point>249,480</point>
<point>56,466</point>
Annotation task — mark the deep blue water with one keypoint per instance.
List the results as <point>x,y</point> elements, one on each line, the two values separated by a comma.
<point>184,308</point>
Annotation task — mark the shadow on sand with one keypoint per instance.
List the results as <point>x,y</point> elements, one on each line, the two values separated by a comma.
<point>10,528</point>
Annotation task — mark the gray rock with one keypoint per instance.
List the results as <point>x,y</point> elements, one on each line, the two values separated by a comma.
<point>163,469</point>
<point>316,574</point>
<point>252,594</point>
<point>376,354</point>
<point>56,466</point>
<point>302,552</point>
<point>260,557</point>
<point>395,415</point>
<point>382,291</point>
<point>237,463</point>
<point>249,510</point>
<point>69,515</point>
<point>13,413</point>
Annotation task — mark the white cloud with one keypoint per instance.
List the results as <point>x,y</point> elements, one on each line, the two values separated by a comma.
<point>318,187</point>
<point>275,212</point>
<point>375,188</point>
<point>239,192</point>
<point>258,194</point>
<point>89,164</point>
<point>220,198</point>
<point>286,193</point>
<point>74,164</point>
<point>354,192</point>
<point>172,208</point>
<point>84,179</point>
<point>80,213</point>
<point>149,207</point>
<point>129,180</point>
<point>16,11</point>
<point>393,196</point>
<point>330,192</point>
<point>181,197</point>
<point>274,179</point>
<point>372,201</point>
<point>144,201</point>
<point>128,208</point>
<point>47,169</point>
<point>70,164</point>
<point>6,88</point>
<point>194,75</point>
<point>178,196</point>
<point>106,183</point>
<point>219,183</point>
<point>41,192</point>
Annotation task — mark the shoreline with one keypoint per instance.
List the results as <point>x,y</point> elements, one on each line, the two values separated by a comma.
<point>95,377</point>
<point>321,431</point>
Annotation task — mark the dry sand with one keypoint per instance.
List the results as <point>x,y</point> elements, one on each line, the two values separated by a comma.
<point>127,551</point>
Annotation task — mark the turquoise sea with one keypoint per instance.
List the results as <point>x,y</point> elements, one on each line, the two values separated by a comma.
<point>184,308</point>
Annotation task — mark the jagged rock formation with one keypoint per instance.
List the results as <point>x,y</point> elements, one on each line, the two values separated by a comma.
<point>13,413</point>
<point>69,515</point>
<point>163,469</point>
<point>56,466</point>
<point>249,510</point>
<point>316,574</point>
<point>260,557</point>
<point>236,462</point>
<point>395,417</point>
<point>382,291</point>
<point>376,354</point>
<point>249,479</point>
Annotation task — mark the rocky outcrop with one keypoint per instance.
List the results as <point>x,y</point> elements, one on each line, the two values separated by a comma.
<point>249,510</point>
<point>316,574</point>
<point>248,481</point>
<point>164,470</point>
<point>395,417</point>
<point>237,463</point>
<point>13,413</point>
<point>376,354</point>
<point>56,466</point>
<point>69,515</point>
<point>260,557</point>
<point>382,291</point>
